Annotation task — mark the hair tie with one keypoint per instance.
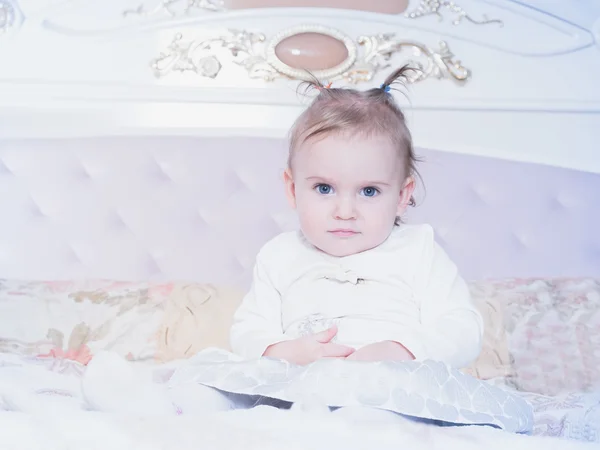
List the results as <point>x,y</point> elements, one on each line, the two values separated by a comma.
<point>326,86</point>
<point>385,87</point>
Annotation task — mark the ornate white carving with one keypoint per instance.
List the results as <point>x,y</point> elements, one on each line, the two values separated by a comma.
<point>430,63</point>
<point>176,7</point>
<point>186,56</point>
<point>433,7</point>
<point>7,16</point>
<point>247,49</point>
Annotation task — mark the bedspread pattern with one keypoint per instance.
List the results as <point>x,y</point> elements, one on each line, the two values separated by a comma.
<point>427,390</point>
<point>51,385</point>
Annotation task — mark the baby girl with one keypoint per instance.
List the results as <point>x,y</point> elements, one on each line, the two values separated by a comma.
<point>355,282</point>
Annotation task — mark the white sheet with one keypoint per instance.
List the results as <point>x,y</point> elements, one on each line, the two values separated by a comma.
<point>427,390</point>
<point>42,409</point>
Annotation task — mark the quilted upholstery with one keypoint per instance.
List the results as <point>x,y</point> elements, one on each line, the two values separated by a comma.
<point>199,209</point>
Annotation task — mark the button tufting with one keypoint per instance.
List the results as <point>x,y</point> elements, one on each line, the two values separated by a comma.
<point>84,173</point>
<point>35,210</point>
<point>440,234</point>
<point>564,201</point>
<point>71,256</point>
<point>522,240</point>
<point>245,261</point>
<point>235,184</point>
<point>481,193</point>
<point>199,224</point>
<point>152,267</point>
<point>210,211</point>
<point>116,222</point>
<point>204,218</point>
<point>236,265</point>
<point>3,169</point>
<point>159,173</point>
<point>246,179</point>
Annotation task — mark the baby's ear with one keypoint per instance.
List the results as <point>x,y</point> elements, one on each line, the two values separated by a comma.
<point>290,187</point>
<point>406,195</point>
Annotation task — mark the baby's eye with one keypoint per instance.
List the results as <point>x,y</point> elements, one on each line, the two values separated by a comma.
<point>324,189</point>
<point>370,191</point>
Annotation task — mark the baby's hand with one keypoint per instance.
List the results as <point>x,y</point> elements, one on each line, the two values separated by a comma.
<point>308,349</point>
<point>382,351</point>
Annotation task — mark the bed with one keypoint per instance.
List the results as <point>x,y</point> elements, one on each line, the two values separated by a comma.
<point>141,151</point>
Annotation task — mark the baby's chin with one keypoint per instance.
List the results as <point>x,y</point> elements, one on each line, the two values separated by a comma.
<point>342,247</point>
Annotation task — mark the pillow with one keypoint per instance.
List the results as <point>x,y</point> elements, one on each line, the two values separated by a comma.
<point>494,360</point>
<point>75,319</point>
<point>197,316</point>
<point>554,334</point>
<point>427,390</point>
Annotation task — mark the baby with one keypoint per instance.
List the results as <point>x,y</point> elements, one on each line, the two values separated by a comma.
<point>354,282</point>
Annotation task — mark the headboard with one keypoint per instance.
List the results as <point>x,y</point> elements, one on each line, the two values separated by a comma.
<point>180,208</point>
<point>146,139</point>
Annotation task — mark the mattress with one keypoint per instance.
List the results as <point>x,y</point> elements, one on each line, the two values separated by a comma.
<point>42,405</point>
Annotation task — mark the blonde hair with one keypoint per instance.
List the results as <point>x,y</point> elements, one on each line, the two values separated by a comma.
<point>370,112</point>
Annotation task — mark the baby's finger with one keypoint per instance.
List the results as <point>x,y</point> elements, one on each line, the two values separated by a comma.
<point>327,335</point>
<point>335,351</point>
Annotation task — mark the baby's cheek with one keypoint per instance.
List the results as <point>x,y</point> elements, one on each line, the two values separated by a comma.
<point>312,215</point>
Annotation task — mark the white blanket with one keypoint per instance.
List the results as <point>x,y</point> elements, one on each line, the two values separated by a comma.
<point>41,409</point>
<point>425,390</point>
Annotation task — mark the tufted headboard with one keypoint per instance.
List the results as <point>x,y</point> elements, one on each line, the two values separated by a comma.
<point>199,208</point>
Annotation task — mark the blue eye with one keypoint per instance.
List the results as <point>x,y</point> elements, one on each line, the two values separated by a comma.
<point>324,189</point>
<point>370,191</point>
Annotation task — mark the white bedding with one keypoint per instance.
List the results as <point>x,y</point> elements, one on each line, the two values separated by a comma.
<point>425,390</point>
<point>48,409</point>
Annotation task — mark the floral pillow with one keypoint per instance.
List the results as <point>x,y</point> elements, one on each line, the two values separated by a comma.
<point>494,360</point>
<point>196,317</point>
<point>542,335</point>
<point>554,334</point>
<point>73,320</point>
<point>161,322</point>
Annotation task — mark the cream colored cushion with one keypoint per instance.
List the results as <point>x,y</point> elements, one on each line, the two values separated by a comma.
<point>494,359</point>
<point>196,316</point>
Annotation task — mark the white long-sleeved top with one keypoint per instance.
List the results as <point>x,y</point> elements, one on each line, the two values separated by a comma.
<point>405,290</point>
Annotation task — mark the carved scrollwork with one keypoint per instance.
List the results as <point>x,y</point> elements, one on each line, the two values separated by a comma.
<point>429,63</point>
<point>181,56</point>
<point>434,7</point>
<point>249,50</point>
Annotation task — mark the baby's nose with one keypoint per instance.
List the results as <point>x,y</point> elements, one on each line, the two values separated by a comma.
<point>345,209</point>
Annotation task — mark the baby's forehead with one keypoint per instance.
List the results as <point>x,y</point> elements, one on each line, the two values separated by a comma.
<point>372,151</point>
<point>349,170</point>
<point>350,144</point>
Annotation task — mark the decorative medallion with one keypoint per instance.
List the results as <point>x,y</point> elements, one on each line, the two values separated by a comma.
<point>306,52</point>
<point>433,7</point>
<point>175,8</point>
<point>311,47</point>
<point>7,16</point>
<point>184,57</point>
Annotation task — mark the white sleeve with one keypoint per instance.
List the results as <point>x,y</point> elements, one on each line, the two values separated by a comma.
<point>257,322</point>
<point>451,328</point>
